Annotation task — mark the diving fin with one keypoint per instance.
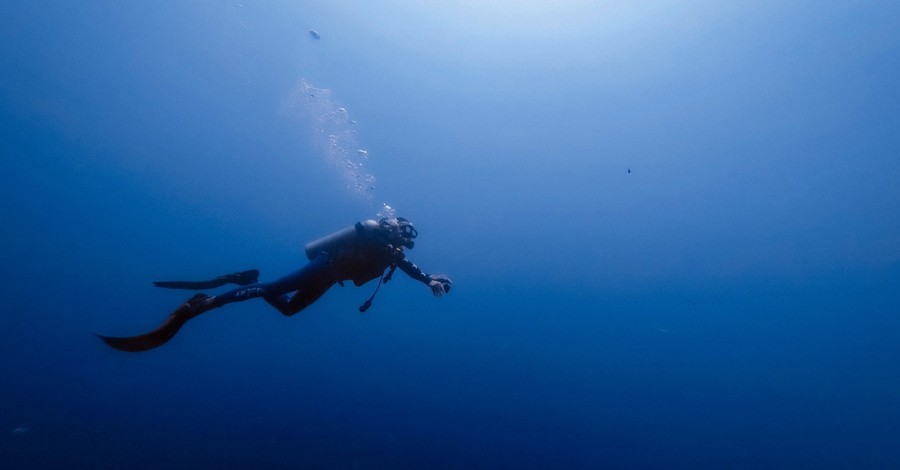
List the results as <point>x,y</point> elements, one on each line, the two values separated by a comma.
<point>161,335</point>
<point>242,278</point>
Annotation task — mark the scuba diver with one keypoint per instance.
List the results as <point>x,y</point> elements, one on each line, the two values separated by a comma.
<point>359,253</point>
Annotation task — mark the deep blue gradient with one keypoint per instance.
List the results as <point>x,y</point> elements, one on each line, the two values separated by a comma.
<point>732,301</point>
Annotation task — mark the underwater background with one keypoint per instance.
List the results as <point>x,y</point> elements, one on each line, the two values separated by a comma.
<point>673,229</point>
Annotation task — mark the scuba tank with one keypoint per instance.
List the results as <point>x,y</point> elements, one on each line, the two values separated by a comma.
<point>341,239</point>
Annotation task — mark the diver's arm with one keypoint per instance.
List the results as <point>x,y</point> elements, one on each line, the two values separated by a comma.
<point>412,270</point>
<point>438,283</point>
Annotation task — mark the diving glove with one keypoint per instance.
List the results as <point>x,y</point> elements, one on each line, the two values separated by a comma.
<point>445,281</point>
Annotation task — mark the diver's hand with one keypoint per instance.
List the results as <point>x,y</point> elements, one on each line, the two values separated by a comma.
<point>436,288</point>
<point>439,284</point>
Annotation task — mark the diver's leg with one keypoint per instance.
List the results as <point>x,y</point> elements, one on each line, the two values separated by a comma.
<point>280,302</point>
<point>236,295</point>
<point>301,299</point>
<point>308,284</point>
<point>316,277</point>
<point>242,278</point>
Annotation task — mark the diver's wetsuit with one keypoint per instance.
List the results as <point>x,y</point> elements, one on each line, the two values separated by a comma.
<point>360,265</point>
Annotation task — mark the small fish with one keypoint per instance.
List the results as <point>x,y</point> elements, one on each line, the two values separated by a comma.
<point>314,34</point>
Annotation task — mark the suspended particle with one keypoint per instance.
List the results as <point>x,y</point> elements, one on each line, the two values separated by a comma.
<point>314,34</point>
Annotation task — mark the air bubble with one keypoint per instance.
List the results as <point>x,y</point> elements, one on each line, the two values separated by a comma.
<point>334,135</point>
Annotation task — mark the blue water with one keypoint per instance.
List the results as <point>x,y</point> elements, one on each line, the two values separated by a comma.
<point>673,230</point>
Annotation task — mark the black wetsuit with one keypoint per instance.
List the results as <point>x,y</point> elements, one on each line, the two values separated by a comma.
<point>359,264</point>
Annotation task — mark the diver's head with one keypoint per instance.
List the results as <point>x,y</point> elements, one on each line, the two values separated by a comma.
<point>399,231</point>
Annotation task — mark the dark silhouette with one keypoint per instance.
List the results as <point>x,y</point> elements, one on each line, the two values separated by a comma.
<point>359,253</point>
